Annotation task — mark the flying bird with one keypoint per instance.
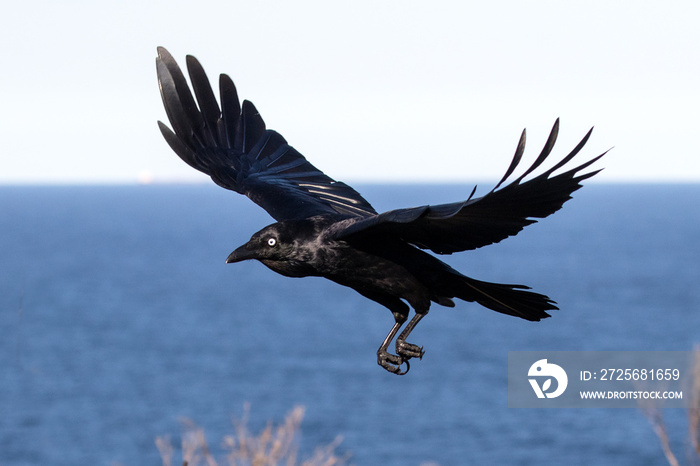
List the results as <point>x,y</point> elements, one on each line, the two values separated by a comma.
<point>325,228</point>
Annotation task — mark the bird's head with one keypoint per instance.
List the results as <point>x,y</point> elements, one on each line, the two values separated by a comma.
<point>285,247</point>
<point>271,244</point>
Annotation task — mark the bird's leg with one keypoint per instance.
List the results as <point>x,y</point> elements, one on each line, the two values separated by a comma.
<point>388,361</point>
<point>407,350</point>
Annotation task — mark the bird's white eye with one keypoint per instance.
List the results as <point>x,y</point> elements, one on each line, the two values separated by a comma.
<point>271,242</point>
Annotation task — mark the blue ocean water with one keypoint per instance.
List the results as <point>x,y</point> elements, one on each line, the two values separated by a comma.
<point>119,316</point>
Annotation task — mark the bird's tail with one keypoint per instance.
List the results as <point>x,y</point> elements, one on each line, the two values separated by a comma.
<point>513,300</point>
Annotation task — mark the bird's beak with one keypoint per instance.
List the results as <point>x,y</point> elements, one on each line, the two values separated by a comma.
<point>241,254</point>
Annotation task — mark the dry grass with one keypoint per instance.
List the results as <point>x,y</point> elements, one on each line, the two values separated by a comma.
<point>273,446</point>
<point>279,445</point>
<point>656,418</point>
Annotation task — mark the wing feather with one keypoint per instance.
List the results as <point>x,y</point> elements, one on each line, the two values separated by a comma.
<point>230,143</point>
<point>513,164</point>
<point>485,220</point>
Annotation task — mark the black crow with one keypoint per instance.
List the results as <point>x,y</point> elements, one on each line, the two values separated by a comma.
<point>325,228</point>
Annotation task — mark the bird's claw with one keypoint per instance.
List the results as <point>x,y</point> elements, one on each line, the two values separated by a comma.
<point>392,362</point>
<point>407,350</point>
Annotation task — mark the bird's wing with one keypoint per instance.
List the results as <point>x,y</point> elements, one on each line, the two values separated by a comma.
<point>477,222</point>
<point>231,145</point>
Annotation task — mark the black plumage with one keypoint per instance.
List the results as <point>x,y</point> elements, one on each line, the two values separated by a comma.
<point>326,228</point>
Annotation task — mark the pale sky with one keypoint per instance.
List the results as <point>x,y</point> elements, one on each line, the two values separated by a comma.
<point>366,90</point>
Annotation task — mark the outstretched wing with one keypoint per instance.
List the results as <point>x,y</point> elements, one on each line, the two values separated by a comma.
<point>231,145</point>
<point>477,222</point>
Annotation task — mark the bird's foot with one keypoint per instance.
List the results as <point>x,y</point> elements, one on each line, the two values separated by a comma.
<point>392,362</point>
<point>407,350</point>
